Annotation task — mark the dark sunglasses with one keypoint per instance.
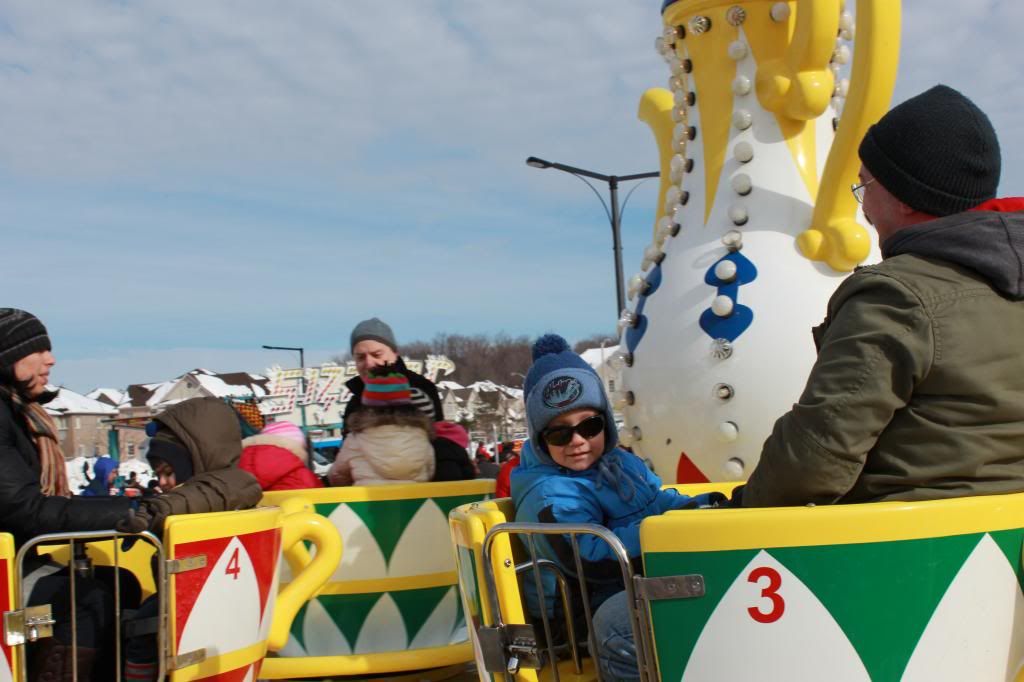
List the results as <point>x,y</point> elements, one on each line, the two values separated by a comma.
<point>562,435</point>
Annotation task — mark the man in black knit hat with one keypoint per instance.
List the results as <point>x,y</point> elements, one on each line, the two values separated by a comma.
<point>918,389</point>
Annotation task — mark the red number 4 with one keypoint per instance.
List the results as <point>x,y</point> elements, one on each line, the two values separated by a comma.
<point>770,592</point>
<point>233,569</point>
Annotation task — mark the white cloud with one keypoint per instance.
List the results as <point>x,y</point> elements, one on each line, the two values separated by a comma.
<point>225,173</point>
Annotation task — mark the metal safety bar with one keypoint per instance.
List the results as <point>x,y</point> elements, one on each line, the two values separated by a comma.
<point>563,591</point>
<point>519,648</point>
<point>31,623</point>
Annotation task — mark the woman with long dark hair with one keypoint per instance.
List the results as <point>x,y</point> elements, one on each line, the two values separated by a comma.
<point>35,498</point>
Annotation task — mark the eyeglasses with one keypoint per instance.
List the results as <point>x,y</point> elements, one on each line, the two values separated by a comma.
<point>562,435</point>
<point>858,190</point>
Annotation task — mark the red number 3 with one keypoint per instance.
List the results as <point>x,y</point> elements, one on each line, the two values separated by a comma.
<point>770,592</point>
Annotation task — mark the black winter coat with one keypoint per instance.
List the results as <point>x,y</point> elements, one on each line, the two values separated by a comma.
<point>451,461</point>
<point>24,510</point>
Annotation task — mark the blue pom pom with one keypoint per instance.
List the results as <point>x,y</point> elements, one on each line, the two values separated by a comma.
<point>549,344</point>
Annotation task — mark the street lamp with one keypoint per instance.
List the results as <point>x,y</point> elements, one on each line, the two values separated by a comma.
<point>302,380</point>
<point>614,213</point>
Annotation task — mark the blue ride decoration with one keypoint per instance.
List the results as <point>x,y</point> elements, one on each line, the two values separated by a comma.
<point>635,334</point>
<point>732,326</point>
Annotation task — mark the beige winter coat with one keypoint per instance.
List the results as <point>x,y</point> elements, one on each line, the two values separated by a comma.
<point>384,448</point>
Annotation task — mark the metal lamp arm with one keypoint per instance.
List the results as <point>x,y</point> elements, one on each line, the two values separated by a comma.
<point>593,189</point>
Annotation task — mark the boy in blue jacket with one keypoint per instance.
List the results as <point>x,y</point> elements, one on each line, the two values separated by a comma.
<point>571,472</point>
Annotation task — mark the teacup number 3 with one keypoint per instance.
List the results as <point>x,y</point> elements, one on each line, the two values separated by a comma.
<point>769,592</point>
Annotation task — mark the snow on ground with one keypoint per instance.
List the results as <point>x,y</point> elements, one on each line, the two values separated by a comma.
<point>77,479</point>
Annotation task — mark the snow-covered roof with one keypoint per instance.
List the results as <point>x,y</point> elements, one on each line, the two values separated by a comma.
<point>107,395</point>
<point>218,385</point>
<point>595,357</point>
<point>450,385</point>
<point>222,389</point>
<point>69,402</point>
<point>160,392</point>
<point>488,386</point>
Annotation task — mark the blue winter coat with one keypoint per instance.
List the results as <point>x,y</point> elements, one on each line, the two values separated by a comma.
<point>617,492</point>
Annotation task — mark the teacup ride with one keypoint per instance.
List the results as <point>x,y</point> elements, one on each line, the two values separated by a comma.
<point>392,605</point>
<point>756,225</point>
<point>220,607</point>
<point>887,591</point>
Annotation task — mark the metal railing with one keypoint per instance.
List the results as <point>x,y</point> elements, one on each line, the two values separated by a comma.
<point>518,643</point>
<point>32,623</point>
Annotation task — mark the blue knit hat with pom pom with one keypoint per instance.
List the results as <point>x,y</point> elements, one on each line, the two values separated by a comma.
<point>560,381</point>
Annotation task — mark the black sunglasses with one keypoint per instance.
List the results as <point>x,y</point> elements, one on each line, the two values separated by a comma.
<point>562,435</point>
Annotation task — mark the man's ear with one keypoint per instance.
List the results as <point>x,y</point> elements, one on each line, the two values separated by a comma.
<point>905,209</point>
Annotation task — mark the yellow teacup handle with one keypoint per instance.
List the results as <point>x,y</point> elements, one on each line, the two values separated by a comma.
<point>313,574</point>
<point>800,84</point>
<point>834,236</point>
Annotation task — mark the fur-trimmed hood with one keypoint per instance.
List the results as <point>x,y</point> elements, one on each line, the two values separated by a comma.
<point>367,418</point>
<point>277,441</point>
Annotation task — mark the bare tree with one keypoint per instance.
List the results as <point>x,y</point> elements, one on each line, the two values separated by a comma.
<point>501,358</point>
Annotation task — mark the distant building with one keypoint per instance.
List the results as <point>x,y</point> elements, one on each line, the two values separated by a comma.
<point>80,423</point>
<point>491,410</point>
<point>600,360</point>
<point>140,402</point>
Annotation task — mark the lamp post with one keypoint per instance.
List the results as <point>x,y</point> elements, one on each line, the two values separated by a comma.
<point>302,380</point>
<point>614,213</point>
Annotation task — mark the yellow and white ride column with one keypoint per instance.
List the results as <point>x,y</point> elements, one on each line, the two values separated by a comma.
<point>758,135</point>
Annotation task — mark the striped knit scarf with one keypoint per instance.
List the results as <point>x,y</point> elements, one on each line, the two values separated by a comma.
<point>54,477</point>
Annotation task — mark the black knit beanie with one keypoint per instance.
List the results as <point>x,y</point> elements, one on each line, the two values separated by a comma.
<point>21,334</point>
<point>167,448</point>
<point>936,152</point>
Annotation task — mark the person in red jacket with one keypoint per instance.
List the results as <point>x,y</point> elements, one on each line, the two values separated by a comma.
<point>502,487</point>
<point>278,458</point>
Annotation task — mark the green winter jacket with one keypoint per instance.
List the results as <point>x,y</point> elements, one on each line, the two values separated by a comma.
<point>918,389</point>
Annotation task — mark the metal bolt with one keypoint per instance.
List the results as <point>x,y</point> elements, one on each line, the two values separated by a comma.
<point>700,24</point>
<point>736,15</point>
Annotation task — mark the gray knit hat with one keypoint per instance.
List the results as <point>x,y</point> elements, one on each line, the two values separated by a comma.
<point>21,334</point>
<point>374,329</point>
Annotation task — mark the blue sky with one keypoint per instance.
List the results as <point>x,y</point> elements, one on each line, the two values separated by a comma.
<point>183,182</point>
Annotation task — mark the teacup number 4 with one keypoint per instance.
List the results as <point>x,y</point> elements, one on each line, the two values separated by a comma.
<point>769,580</point>
<point>233,569</point>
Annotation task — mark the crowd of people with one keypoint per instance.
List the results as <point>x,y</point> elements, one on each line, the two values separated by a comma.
<point>917,393</point>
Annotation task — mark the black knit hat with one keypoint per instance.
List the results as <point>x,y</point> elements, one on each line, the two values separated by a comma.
<point>936,152</point>
<point>165,447</point>
<point>21,334</point>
